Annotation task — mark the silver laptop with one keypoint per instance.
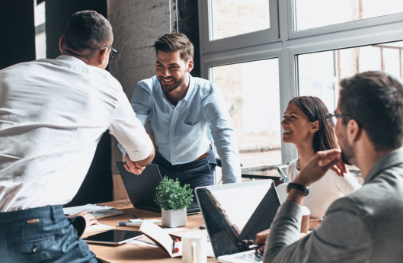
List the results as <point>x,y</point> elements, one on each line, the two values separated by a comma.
<point>234,213</point>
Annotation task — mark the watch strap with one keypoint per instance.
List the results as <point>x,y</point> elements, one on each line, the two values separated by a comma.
<point>299,187</point>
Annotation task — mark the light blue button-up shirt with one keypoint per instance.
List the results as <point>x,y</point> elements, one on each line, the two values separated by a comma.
<point>183,132</point>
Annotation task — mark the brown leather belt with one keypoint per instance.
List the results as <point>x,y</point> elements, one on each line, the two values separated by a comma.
<point>198,159</point>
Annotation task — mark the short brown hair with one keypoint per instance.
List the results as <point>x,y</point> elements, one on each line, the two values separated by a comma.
<point>375,100</point>
<point>175,42</point>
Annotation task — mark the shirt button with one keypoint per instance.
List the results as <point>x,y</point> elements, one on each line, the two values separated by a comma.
<point>173,124</point>
<point>35,249</point>
<point>171,140</point>
<point>173,108</point>
<point>172,151</point>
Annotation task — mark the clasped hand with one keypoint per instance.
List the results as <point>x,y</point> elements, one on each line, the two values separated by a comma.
<point>133,167</point>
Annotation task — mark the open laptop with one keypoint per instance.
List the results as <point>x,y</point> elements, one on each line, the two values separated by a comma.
<point>141,188</point>
<point>236,212</point>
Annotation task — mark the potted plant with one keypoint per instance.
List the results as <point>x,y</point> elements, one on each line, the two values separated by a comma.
<point>173,200</point>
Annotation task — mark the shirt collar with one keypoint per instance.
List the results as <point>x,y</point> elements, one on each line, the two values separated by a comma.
<point>188,93</point>
<point>190,89</point>
<point>391,159</point>
<point>70,59</point>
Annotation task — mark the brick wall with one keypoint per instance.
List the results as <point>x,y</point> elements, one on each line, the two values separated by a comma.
<point>136,25</point>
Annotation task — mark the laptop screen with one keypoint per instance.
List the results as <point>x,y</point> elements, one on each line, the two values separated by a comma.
<point>236,212</point>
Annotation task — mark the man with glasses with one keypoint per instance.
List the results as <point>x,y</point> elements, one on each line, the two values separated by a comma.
<point>53,113</point>
<point>367,225</point>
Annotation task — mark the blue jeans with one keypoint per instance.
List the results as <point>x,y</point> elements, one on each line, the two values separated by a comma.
<point>198,173</point>
<point>42,234</point>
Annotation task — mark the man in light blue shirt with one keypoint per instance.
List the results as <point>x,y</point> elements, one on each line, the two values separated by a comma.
<point>186,114</point>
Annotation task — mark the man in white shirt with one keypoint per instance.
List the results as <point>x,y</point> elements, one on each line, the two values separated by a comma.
<point>52,115</point>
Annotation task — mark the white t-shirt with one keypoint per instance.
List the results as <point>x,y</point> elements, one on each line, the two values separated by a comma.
<point>323,192</point>
<point>53,113</point>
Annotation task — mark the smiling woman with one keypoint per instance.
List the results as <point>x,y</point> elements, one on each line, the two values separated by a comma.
<point>305,125</point>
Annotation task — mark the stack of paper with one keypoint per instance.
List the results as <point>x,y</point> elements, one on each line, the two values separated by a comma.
<point>88,207</point>
<point>98,211</point>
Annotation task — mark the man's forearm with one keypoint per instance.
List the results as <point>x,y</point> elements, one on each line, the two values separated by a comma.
<point>284,230</point>
<point>296,196</point>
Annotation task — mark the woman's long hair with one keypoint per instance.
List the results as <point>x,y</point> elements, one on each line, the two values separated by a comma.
<point>316,110</point>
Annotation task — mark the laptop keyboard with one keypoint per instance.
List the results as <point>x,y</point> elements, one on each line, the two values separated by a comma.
<point>251,257</point>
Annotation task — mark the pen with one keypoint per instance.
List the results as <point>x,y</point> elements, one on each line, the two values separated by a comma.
<point>129,224</point>
<point>135,217</point>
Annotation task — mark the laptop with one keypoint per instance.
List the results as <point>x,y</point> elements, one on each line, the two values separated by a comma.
<point>237,212</point>
<point>141,188</point>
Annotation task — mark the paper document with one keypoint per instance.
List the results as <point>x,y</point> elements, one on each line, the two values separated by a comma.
<point>137,222</point>
<point>159,236</point>
<point>96,228</point>
<point>89,207</point>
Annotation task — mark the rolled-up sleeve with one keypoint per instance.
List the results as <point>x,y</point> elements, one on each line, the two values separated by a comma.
<point>129,131</point>
<point>223,133</point>
<point>343,236</point>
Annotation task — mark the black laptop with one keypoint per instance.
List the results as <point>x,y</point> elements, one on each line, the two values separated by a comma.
<point>237,212</point>
<point>141,188</point>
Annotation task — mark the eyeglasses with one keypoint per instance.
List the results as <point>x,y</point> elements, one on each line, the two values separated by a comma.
<point>332,118</point>
<point>113,51</point>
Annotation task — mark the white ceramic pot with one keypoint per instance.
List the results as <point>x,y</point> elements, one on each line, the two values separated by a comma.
<point>174,218</point>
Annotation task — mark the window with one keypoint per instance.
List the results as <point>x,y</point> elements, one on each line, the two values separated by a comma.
<point>228,22</point>
<point>319,73</point>
<point>237,23</point>
<point>40,34</point>
<point>251,91</point>
<point>319,13</point>
<point>314,44</point>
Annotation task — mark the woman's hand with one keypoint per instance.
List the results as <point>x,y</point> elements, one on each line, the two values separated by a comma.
<point>89,219</point>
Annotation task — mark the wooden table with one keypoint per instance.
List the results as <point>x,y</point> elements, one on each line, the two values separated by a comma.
<point>132,252</point>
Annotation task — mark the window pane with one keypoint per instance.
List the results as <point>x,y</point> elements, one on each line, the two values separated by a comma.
<point>40,14</point>
<point>320,73</point>
<point>251,91</point>
<point>40,46</point>
<point>319,13</point>
<point>236,17</point>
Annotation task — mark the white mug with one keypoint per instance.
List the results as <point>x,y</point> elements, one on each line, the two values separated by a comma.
<point>194,248</point>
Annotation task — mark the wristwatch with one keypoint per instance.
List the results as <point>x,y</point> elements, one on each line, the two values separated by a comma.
<point>300,187</point>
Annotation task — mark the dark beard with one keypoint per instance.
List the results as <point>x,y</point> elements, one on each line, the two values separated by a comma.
<point>344,158</point>
<point>174,86</point>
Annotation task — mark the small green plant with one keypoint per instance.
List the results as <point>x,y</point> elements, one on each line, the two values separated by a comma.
<point>170,195</point>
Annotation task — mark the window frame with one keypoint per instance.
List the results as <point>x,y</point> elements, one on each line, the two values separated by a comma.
<point>238,41</point>
<point>290,44</point>
<point>367,22</point>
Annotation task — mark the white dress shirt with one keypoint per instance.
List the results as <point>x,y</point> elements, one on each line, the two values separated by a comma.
<point>325,191</point>
<point>53,113</point>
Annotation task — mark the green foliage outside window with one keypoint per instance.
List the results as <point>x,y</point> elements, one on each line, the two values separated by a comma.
<point>170,195</point>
